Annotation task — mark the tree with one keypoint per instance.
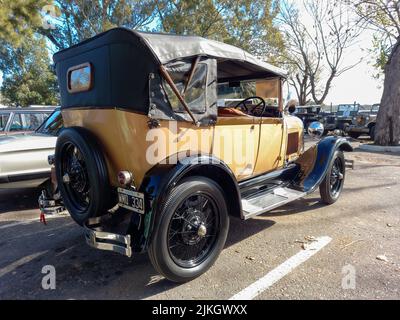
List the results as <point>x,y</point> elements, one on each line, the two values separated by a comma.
<point>315,51</point>
<point>18,19</point>
<point>246,24</point>
<point>383,16</point>
<point>77,20</point>
<point>24,60</point>
<point>192,17</point>
<point>27,75</point>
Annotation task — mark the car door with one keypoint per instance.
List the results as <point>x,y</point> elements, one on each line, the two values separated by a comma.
<point>235,142</point>
<point>271,127</point>
<point>271,140</point>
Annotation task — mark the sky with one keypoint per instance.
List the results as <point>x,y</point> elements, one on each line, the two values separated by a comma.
<point>358,84</point>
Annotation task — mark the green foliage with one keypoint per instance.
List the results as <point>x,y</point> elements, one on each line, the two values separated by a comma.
<point>380,51</point>
<point>384,18</point>
<point>18,19</point>
<point>248,24</point>
<point>77,20</point>
<point>27,75</point>
<point>24,60</point>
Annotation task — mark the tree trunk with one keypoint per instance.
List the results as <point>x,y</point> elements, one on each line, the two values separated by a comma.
<point>387,130</point>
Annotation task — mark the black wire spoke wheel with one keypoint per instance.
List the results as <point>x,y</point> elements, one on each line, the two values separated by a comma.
<point>193,230</point>
<point>332,185</point>
<point>336,177</point>
<point>75,176</point>
<point>82,175</point>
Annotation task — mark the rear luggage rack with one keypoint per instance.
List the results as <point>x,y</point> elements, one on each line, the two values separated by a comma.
<point>106,240</point>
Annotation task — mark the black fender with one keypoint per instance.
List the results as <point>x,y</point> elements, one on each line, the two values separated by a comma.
<point>314,163</point>
<point>159,181</point>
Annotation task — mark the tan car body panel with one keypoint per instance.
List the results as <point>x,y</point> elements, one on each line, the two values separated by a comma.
<point>126,139</point>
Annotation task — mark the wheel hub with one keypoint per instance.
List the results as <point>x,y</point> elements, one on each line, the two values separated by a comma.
<point>77,177</point>
<point>193,229</point>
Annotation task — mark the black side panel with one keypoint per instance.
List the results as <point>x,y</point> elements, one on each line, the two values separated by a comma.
<point>159,181</point>
<point>315,161</point>
<point>274,178</point>
<point>121,64</point>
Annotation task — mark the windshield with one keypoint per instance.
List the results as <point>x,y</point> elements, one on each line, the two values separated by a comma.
<point>3,121</point>
<point>348,107</point>
<point>375,108</point>
<point>310,110</point>
<point>229,93</point>
<point>52,125</point>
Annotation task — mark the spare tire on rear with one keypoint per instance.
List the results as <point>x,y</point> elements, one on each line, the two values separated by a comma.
<point>82,175</point>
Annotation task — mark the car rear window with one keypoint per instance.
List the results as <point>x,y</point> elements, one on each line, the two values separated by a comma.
<point>27,121</point>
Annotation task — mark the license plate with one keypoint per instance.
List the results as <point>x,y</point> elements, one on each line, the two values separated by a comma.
<point>131,200</point>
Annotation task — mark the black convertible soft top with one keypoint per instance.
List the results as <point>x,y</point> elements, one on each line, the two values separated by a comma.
<point>124,60</point>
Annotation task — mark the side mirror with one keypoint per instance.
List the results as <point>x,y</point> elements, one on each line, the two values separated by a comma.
<point>316,130</point>
<point>291,106</point>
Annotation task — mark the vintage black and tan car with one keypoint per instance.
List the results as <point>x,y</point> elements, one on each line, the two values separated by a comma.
<point>148,162</point>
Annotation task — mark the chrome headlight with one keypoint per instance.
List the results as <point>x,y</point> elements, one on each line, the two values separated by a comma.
<point>316,130</point>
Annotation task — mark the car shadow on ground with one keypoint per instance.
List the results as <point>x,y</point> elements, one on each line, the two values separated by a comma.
<point>18,199</point>
<point>81,271</point>
<point>298,206</point>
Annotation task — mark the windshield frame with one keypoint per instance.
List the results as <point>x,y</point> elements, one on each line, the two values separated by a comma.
<point>40,129</point>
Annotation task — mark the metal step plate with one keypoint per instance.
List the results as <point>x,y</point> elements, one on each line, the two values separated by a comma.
<point>269,200</point>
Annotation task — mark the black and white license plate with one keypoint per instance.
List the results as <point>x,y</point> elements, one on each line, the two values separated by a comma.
<point>131,200</point>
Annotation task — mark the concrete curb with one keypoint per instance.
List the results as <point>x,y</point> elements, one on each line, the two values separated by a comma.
<point>374,148</point>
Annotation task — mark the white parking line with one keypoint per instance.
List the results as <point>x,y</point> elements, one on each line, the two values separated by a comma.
<point>11,267</point>
<point>282,270</point>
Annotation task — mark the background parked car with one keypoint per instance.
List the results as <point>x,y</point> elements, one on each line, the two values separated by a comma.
<point>341,118</point>
<point>23,157</point>
<point>18,120</point>
<point>364,123</point>
<point>308,114</point>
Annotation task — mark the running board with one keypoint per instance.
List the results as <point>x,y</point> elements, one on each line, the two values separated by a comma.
<point>267,201</point>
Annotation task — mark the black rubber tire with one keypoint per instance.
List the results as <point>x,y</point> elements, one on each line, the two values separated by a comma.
<point>100,193</point>
<point>325,189</point>
<point>354,135</point>
<point>372,133</point>
<point>158,251</point>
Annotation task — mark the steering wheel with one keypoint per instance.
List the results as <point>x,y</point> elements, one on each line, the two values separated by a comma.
<point>244,107</point>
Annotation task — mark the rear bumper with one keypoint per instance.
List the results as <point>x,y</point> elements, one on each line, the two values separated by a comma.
<point>106,240</point>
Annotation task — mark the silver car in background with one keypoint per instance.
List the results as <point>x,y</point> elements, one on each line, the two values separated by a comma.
<point>23,157</point>
<point>23,120</point>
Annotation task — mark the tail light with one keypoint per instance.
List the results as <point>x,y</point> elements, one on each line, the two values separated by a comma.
<point>124,178</point>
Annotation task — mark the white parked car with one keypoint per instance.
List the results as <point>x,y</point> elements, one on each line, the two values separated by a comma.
<point>23,157</point>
